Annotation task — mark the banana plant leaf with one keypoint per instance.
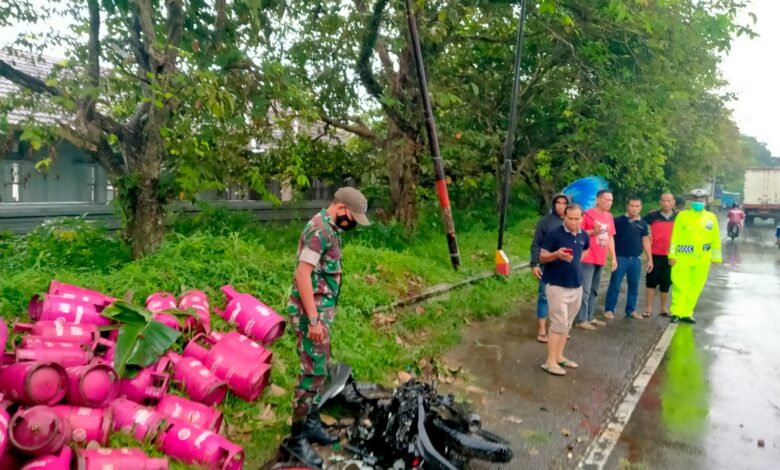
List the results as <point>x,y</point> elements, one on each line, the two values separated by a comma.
<point>142,340</point>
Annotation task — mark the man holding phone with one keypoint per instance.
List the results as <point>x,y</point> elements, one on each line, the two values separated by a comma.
<point>561,252</point>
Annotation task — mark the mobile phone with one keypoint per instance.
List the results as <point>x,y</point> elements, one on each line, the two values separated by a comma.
<point>568,251</point>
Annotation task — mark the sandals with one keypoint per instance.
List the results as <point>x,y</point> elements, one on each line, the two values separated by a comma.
<point>568,363</point>
<point>665,314</point>
<point>648,314</point>
<point>553,370</point>
<point>541,338</point>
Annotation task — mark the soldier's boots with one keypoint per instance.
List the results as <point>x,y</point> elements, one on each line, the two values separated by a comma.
<point>298,446</point>
<point>316,433</point>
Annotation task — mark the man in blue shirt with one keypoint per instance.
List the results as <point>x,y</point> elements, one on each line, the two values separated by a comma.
<point>632,237</point>
<point>562,251</point>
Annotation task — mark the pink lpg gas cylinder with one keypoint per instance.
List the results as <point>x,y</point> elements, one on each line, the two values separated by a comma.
<point>244,344</point>
<point>51,462</point>
<point>148,386</point>
<point>246,377</point>
<point>197,380</point>
<point>191,412</point>
<point>118,459</point>
<point>66,354</point>
<point>191,445</point>
<point>157,303</point>
<point>38,431</point>
<point>54,307</point>
<point>199,302</point>
<point>34,383</point>
<point>3,334</point>
<point>252,317</point>
<point>59,331</point>
<point>160,301</point>
<point>4,419</point>
<point>92,385</point>
<point>79,293</point>
<point>142,422</point>
<point>86,424</point>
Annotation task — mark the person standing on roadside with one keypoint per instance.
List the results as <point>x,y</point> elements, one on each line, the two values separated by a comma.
<point>632,237</point>
<point>661,223</point>
<point>561,252</point>
<point>312,309</point>
<point>546,224</point>
<point>600,226</point>
<point>695,245</point>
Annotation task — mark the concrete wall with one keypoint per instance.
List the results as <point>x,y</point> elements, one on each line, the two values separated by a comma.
<point>72,177</point>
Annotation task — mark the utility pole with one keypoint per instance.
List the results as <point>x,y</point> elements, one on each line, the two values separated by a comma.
<point>433,141</point>
<point>502,260</point>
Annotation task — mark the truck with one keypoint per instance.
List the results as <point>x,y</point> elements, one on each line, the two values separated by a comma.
<point>762,194</point>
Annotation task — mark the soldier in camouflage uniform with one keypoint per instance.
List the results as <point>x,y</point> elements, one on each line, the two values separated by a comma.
<point>312,308</point>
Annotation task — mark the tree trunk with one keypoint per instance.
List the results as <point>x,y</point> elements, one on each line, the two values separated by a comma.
<point>145,220</point>
<point>404,172</point>
<point>144,206</point>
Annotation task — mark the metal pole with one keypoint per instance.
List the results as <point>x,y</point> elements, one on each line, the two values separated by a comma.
<point>502,261</point>
<point>433,141</point>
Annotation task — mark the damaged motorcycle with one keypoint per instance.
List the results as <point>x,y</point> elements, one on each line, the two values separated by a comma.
<point>411,427</point>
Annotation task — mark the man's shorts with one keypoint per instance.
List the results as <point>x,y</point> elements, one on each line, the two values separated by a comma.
<point>564,303</point>
<point>661,275</point>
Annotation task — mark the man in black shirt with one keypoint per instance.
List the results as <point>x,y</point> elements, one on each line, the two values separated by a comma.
<point>632,237</point>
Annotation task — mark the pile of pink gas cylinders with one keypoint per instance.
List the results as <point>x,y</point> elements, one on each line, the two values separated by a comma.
<point>62,399</point>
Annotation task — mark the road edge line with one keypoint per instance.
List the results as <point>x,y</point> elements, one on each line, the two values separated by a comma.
<point>599,451</point>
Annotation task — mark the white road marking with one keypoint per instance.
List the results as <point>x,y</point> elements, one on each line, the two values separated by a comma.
<point>601,448</point>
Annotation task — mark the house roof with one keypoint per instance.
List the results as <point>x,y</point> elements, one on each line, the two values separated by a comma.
<point>38,67</point>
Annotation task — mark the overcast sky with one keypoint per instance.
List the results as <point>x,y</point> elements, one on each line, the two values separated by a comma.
<point>753,71</point>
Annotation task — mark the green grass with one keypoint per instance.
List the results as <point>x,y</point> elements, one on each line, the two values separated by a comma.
<point>381,264</point>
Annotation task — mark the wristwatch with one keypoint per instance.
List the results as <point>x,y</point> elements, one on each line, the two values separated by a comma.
<point>315,321</point>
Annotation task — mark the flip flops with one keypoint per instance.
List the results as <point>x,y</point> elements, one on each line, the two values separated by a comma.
<point>541,338</point>
<point>648,314</point>
<point>569,363</point>
<point>553,370</point>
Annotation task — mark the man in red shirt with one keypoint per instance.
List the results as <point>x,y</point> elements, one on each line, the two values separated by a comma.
<point>600,226</point>
<point>661,223</point>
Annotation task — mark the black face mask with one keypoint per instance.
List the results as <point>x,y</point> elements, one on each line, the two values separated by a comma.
<point>345,223</point>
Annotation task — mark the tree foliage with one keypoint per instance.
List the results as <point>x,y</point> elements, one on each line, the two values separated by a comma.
<point>172,97</point>
<point>163,94</point>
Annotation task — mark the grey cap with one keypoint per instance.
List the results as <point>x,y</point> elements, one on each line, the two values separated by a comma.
<point>355,202</point>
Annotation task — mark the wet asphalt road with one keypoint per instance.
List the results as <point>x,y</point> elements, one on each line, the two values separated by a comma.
<point>715,394</point>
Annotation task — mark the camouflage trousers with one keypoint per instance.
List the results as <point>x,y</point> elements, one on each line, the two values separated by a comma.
<point>314,361</point>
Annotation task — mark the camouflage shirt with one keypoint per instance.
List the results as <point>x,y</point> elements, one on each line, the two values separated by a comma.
<point>320,246</point>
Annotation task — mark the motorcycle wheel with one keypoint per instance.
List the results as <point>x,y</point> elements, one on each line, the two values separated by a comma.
<point>482,445</point>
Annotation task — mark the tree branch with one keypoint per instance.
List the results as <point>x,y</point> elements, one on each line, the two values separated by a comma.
<point>367,50</point>
<point>143,14</point>
<point>219,21</point>
<point>36,85</point>
<point>93,60</point>
<point>359,129</point>
<point>100,150</point>
<point>26,81</point>
<point>141,57</point>
<point>175,27</point>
